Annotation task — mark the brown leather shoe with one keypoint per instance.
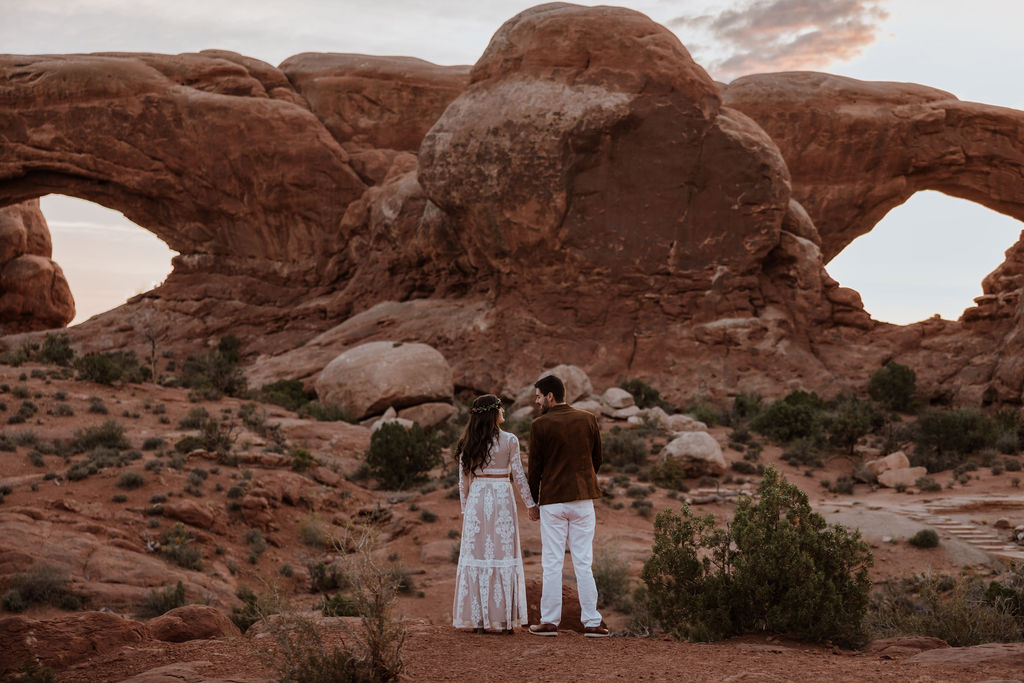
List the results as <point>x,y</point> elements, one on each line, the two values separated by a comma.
<point>544,629</point>
<point>596,631</point>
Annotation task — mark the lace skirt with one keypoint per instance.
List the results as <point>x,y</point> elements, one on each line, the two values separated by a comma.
<point>490,586</point>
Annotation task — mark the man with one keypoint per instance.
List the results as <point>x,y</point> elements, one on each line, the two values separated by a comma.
<point>565,454</point>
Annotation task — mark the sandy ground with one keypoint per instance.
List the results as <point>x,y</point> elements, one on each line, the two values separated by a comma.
<point>965,514</point>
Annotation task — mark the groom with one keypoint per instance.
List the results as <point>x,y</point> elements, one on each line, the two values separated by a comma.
<point>565,454</point>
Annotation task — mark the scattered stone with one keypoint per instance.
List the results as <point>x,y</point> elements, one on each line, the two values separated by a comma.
<point>697,452</point>
<point>192,622</point>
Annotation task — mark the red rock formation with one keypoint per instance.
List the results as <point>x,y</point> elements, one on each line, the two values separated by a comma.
<point>34,295</point>
<point>587,196</point>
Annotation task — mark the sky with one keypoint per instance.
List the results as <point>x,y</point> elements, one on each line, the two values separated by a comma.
<point>927,256</point>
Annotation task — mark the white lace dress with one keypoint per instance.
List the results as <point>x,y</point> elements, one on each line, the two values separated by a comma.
<point>490,586</point>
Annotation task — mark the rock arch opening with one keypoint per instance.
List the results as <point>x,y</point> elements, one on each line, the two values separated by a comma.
<point>927,256</point>
<point>106,258</point>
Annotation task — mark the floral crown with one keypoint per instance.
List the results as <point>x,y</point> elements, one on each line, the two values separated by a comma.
<point>492,406</point>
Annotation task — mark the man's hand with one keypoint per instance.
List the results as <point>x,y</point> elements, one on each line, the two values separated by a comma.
<point>534,513</point>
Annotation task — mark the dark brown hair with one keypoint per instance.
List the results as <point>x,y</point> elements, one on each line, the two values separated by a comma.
<point>480,432</point>
<point>551,385</point>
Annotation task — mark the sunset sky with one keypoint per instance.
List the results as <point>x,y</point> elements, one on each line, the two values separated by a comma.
<point>927,256</point>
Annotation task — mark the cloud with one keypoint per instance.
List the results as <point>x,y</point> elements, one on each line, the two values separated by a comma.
<point>782,35</point>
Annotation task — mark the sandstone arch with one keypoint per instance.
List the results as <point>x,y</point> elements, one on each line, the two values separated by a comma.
<point>856,149</point>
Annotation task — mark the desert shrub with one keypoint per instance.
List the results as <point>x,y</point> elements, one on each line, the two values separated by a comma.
<point>314,532</point>
<point>257,544</point>
<point>20,391</point>
<point>400,458</point>
<point>1012,464</point>
<point>44,584</point>
<point>152,443</point>
<point>188,443</point>
<point>894,386</point>
<point>339,605</point>
<point>1007,592</point>
<point>324,412</point>
<point>644,395</point>
<point>287,393</point>
<point>925,538</point>
<point>110,434</point>
<point>797,415</point>
<point>130,481</point>
<point>377,652</point>
<point>623,448</point>
<point>944,437</point>
<point>157,602</point>
<point>746,406</point>
<point>642,507</point>
<point>804,452</point>
<point>851,420</point>
<point>212,374</point>
<point>778,567</point>
<point>56,350</point>
<point>97,406</point>
<point>954,610</point>
<point>324,577</point>
<point>107,368</point>
<point>255,606</point>
<point>743,467</point>
<point>1007,442</point>
<point>195,419</point>
<point>36,458</point>
<point>302,460</point>
<point>178,545</point>
<point>704,412</point>
<point>670,474</point>
<point>611,574</point>
<point>62,410</point>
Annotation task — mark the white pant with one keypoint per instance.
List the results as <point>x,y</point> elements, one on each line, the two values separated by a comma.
<point>575,521</point>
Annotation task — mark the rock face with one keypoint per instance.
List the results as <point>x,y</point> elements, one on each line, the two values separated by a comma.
<point>369,378</point>
<point>34,295</point>
<point>65,640</point>
<point>583,194</point>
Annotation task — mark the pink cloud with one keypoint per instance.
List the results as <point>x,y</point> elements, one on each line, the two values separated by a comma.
<point>782,35</point>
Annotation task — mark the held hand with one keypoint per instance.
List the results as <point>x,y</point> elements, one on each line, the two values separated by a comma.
<point>534,513</point>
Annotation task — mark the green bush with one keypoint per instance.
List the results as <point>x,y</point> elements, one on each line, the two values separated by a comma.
<point>324,577</point>
<point>107,368</point>
<point>853,419</point>
<point>302,460</point>
<point>797,415</point>
<point>944,437</point>
<point>400,458</point>
<point>287,393</point>
<point>644,395</point>
<point>42,584</point>
<point>178,545</point>
<point>894,387</point>
<point>624,448</point>
<point>157,602</point>
<point>925,538</point>
<point>110,434</point>
<point>746,406</point>
<point>130,481</point>
<point>704,412</point>
<point>11,600</point>
<point>778,568</point>
<point>212,374</point>
<point>56,350</point>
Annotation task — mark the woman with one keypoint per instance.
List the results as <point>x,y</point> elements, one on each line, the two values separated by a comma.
<point>490,588</point>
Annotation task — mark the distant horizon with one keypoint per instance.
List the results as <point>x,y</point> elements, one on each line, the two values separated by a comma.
<point>927,256</point>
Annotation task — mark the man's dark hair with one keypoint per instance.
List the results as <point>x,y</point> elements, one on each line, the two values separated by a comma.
<point>551,385</point>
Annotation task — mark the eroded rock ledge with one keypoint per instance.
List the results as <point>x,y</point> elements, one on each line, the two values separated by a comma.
<point>584,193</point>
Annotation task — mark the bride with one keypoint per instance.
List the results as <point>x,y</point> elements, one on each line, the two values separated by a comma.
<point>490,588</point>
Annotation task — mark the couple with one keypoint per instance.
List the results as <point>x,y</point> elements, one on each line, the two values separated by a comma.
<point>565,454</point>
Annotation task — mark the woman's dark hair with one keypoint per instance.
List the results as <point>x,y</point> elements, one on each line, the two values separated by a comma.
<point>551,385</point>
<point>479,434</point>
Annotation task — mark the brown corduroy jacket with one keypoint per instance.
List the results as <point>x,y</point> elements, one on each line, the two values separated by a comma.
<point>564,456</point>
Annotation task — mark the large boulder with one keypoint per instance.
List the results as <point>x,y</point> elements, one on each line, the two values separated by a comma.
<point>192,622</point>
<point>697,452</point>
<point>369,378</point>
